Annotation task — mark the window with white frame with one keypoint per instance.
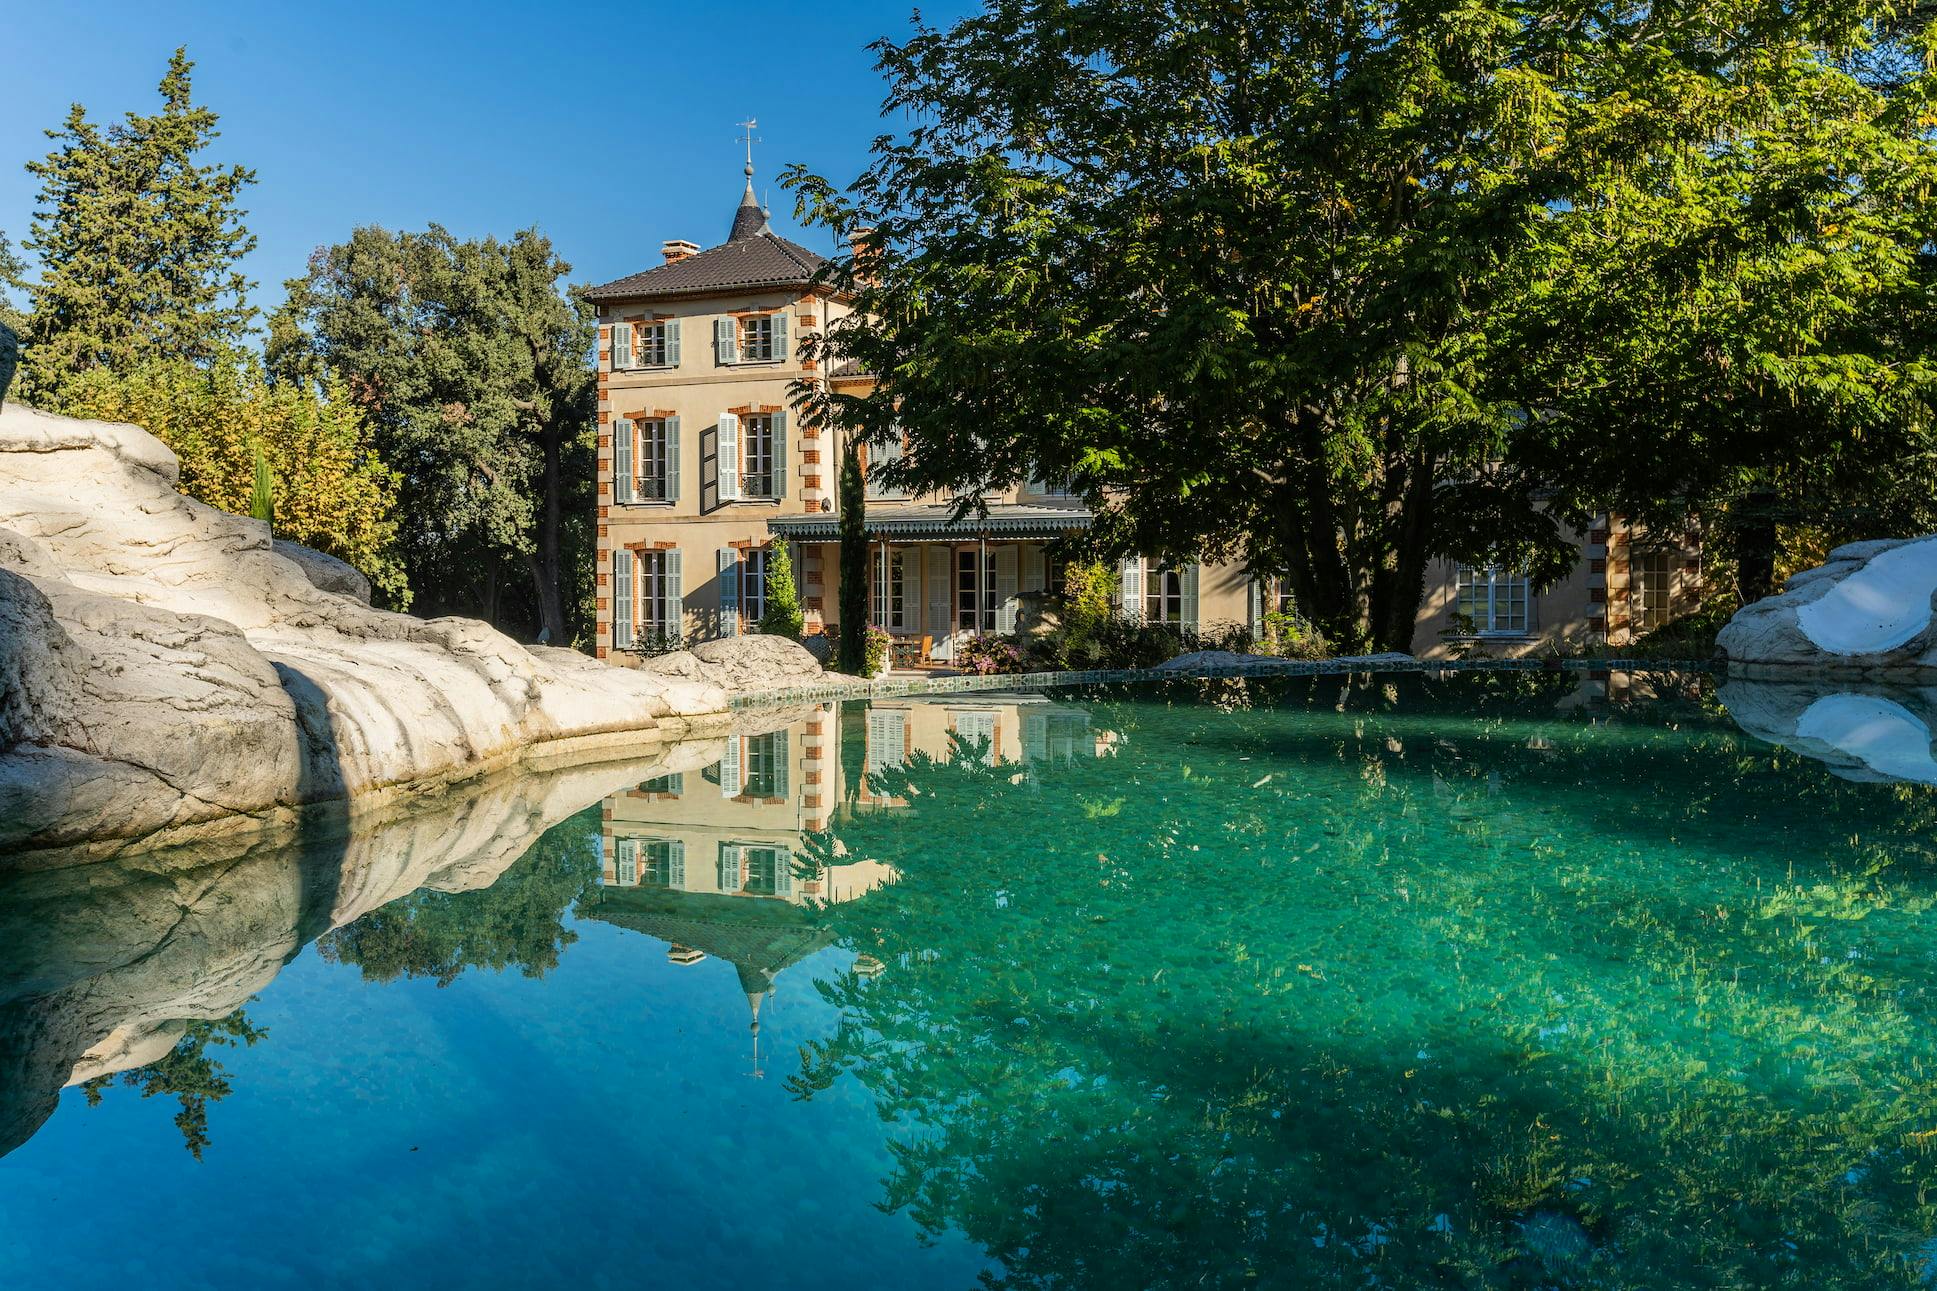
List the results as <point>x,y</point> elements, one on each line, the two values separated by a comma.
<point>765,765</point>
<point>769,871</point>
<point>672,784</point>
<point>1651,588</point>
<point>887,740</point>
<point>966,597</point>
<point>757,477</point>
<point>890,594</point>
<point>1163,593</point>
<point>757,339</point>
<point>656,345</point>
<point>975,729</point>
<point>753,583</point>
<point>880,455</point>
<point>646,600</point>
<point>1495,600</point>
<point>662,863</point>
<point>645,459</point>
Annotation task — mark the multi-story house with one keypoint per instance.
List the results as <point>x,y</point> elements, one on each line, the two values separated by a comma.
<point>703,466</point>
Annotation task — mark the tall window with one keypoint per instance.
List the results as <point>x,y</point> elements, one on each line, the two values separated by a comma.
<point>757,339</point>
<point>645,460</point>
<point>887,740</point>
<point>966,562</point>
<point>753,583</point>
<point>1496,600</point>
<point>880,455</point>
<point>890,602</point>
<point>672,784</point>
<point>1055,571</point>
<point>1651,589</point>
<point>757,478</point>
<point>769,871</point>
<point>1163,593</point>
<point>646,598</point>
<point>975,729</point>
<point>662,863</point>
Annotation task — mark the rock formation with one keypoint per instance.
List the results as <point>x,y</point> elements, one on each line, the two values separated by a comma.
<point>1867,732</point>
<point>1871,609</point>
<point>102,963</point>
<point>165,667</point>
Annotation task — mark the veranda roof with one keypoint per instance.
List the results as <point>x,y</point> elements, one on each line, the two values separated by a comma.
<point>932,523</point>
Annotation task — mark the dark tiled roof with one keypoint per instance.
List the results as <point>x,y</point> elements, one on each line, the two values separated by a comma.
<point>752,258</point>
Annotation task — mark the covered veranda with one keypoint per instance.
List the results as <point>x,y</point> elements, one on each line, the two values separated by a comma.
<point>934,581</point>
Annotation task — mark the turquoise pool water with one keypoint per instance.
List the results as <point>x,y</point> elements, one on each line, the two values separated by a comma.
<point>1479,980</point>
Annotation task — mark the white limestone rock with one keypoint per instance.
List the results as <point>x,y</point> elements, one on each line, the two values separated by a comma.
<point>326,571</point>
<point>1871,608</point>
<point>166,667</point>
<point>1867,732</point>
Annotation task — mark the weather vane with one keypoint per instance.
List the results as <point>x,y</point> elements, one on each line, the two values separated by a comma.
<point>747,137</point>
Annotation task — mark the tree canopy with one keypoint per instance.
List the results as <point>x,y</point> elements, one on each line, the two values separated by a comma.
<point>139,243</point>
<point>1337,289</point>
<point>472,365</point>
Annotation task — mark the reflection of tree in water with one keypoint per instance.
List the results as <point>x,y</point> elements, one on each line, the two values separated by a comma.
<point>189,1073</point>
<point>1434,988</point>
<point>516,922</point>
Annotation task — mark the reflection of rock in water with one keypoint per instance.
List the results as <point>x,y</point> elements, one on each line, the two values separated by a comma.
<point>102,963</point>
<point>1860,732</point>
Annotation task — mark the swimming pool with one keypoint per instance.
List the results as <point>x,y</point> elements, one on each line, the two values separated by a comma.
<point>1479,979</point>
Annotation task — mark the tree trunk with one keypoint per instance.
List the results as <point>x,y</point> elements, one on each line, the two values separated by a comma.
<point>1755,545</point>
<point>545,562</point>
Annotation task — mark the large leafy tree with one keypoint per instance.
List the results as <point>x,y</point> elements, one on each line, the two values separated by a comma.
<point>139,243</point>
<point>1257,276</point>
<point>473,365</point>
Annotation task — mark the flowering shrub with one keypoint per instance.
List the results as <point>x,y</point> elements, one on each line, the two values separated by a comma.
<point>988,655</point>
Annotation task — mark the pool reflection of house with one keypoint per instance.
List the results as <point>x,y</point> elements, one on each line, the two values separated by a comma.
<point>712,862</point>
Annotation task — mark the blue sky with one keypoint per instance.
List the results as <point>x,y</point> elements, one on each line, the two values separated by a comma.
<point>610,126</point>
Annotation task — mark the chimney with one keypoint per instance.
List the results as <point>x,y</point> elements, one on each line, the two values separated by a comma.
<point>677,249</point>
<point>861,253</point>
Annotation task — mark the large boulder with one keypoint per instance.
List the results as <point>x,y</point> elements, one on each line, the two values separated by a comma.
<point>325,571</point>
<point>167,668</point>
<point>1872,608</point>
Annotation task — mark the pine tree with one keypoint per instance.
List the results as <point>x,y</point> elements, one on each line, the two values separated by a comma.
<point>783,617</point>
<point>138,242</point>
<point>854,565</point>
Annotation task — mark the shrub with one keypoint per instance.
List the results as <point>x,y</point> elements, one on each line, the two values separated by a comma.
<point>874,649</point>
<point>783,617</point>
<point>651,645</point>
<point>1289,635</point>
<point>987,655</point>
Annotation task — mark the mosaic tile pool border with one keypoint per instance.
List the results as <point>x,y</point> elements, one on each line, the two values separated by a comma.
<point>896,686</point>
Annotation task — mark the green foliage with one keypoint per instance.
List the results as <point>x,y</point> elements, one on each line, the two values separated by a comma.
<point>471,363</point>
<point>226,423</point>
<point>1287,634</point>
<point>783,615</point>
<point>1328,287</point>
<point>13,279</point>
<point>853,642</point>
<point>139,245</point>
<point>1089,601</point>
<point>188,1073</point>
<point>518,921</point>
<point>262,498</point>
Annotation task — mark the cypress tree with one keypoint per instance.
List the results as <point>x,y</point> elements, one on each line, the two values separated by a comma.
<point>138,242</point>
<point>854,565</point>
<point>262,500</point>
<point>783,617</point>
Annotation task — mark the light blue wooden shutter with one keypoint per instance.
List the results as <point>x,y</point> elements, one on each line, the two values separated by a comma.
<point>729,592</point>
<point>1035,572</point>
<point>728,460</point>
<point>621,598</point>
<point>939,584</point>
<point>780,452</point>
<point>783,872</point>
<point>726,341</point>
<point>622,470</point>
<point>672,458</point>
<point>780,337</point>
<point>730,768</point>
<point>621,346</point>
<point>1188,576</point>
<point>672,343</point>
<point>1257,608</point>
<point>675,626</point>
<point>675,864</point>
<point>730,868</point>
<point>1005,589</point>
<point>1131,590</point>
